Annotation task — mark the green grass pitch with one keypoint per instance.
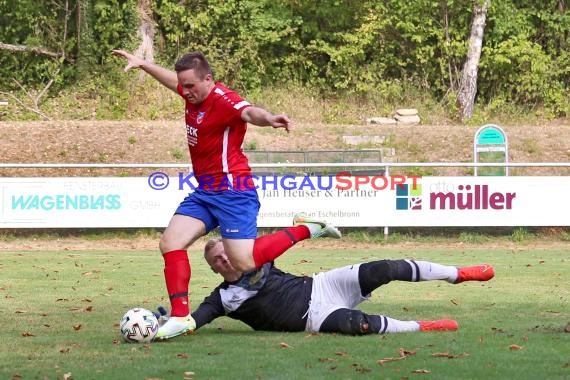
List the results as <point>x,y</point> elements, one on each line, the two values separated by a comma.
<point>61,311</point>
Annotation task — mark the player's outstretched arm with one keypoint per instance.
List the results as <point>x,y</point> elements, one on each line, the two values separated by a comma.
<point>166,77</point>
<point>262,118</point>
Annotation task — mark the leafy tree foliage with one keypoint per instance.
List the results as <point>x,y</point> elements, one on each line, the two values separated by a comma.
<point>335,46</point>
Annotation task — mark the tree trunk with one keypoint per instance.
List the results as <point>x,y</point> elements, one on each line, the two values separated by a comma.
<point>146,30</point>
<point>468,82</point>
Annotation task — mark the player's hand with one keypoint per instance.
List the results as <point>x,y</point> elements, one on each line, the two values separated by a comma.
<point>161,315</point>
<point>282,121</point>
<point>133,62</point>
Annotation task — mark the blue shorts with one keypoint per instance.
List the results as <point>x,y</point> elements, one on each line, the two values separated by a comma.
<point>234,211</point>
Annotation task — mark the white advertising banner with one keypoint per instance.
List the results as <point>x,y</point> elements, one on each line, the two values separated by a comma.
<point>364,201</point>
<point>79,202</point>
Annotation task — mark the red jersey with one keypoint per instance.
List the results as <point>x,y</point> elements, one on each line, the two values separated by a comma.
<point>215,133</point>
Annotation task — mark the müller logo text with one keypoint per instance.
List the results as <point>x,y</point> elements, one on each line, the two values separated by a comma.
<point>467,197</point>
<point>341,181</point>
<point>462,197</point>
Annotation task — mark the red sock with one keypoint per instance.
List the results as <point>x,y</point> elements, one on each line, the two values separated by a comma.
<point>177,274</point>
<point>269,247</point>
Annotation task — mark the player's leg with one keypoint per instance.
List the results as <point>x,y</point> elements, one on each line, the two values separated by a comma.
<point>263,249</point>
<point>190,222</point>
<point>356,322</point>
<point>377,273</point>
<point>237,215</point>
<point>181,232</point>
<point>269,247</point>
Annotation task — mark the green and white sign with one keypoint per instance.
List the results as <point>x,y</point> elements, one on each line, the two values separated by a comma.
<point>490,146</point>
<point>491,134</point>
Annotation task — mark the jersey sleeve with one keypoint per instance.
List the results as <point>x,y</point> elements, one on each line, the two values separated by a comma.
<point>235,105</point>
<point>179,89</point>
<point>210,309</point>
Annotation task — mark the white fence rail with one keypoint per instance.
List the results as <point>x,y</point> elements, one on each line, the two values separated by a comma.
<point>385,165</point>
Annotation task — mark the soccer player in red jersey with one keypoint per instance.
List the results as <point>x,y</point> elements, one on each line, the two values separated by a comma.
<point>216,122</point>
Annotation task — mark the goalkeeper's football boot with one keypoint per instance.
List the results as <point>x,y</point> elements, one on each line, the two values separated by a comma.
<point>176,326</point>
<point>439,325</point>
<point>317,227</point>
<point>482,272</point>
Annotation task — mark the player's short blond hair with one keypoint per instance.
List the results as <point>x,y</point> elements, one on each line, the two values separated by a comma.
<point>210,244</point>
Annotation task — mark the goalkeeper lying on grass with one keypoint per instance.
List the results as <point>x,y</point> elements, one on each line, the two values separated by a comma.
<point>271,300</point>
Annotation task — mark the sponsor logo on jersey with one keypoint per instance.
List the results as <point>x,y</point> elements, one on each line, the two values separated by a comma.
<point>200,117</point>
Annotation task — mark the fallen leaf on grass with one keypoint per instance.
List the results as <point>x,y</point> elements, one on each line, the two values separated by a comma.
<point>77,327</point>
<point>403,355</point>
<point>27,333</point>
<point>340,353</point>
<point>64,350</point>
<point>284,345</point>
<point>386,360</point>
<point>20,312</point>
<point>454,302</point>
<point>515,347</point>
<point>183,356</point>
<point>421,371</point>
<point>448,355</point>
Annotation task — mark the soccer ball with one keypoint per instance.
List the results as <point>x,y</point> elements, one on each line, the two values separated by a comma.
<point>139,325</point>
